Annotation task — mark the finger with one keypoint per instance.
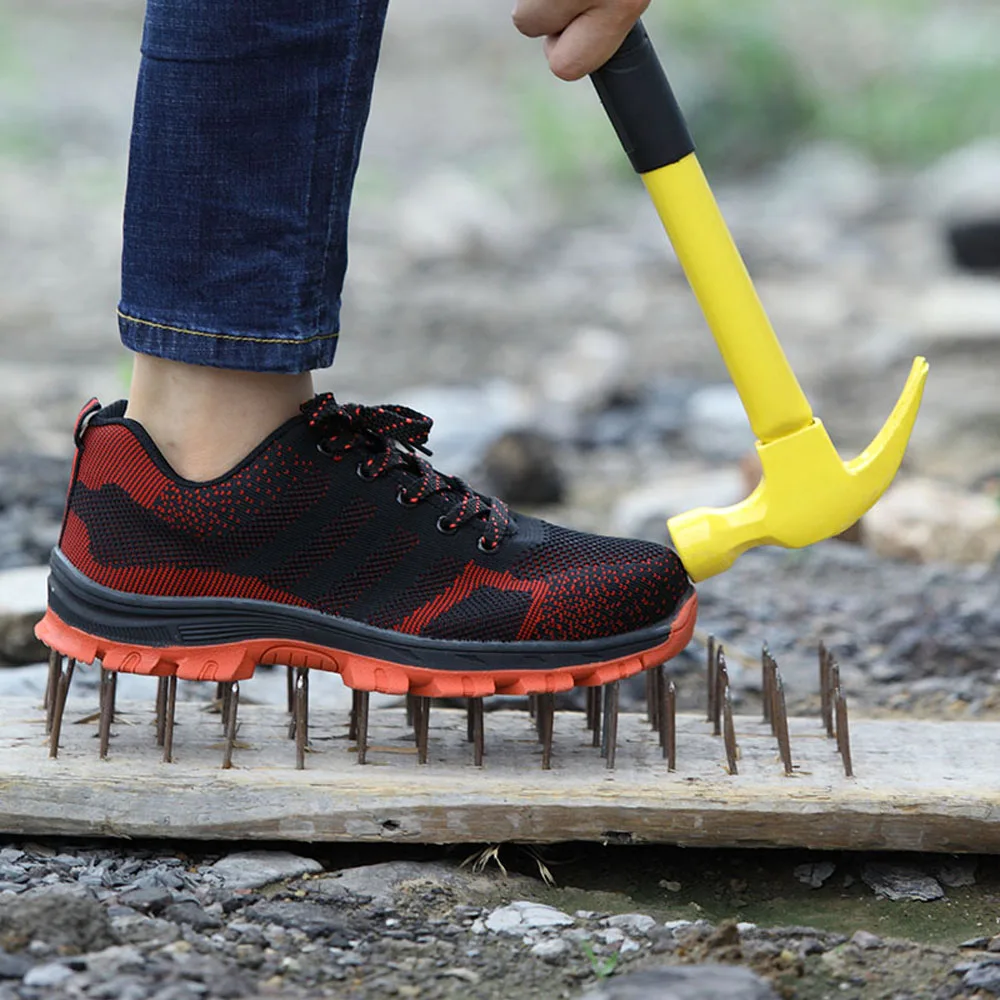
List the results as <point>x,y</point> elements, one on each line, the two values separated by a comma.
<point>536,18</point>
<point>590,40</point>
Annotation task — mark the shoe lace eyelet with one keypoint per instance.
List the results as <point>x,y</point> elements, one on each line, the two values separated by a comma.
<point>360,469</point>
<point>402,498</point>
<point>323,447</point>
<point>445,528</point>
<point>482,545</point>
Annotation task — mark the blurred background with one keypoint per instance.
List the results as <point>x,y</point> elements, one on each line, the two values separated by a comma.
<point>509,277</point>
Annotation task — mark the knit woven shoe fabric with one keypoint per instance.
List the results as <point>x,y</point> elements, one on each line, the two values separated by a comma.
<point>336,546</point>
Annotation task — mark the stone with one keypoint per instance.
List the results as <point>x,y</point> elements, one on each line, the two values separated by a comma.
<point>899,882</point>
<point>866,940</point>
<point>192,915</point>
<point>962,185</point>
<point>47,976</point>
<point>717,425</point>
<point>993,944</point>
<point>522,467</point>
<point>450,214</point>
<point>522,915</point>
<point>975,244</point>
<point>832,178</point>
<point>555,950</point>
<point>70,923</point>
<point>814,874</point>
<point>956,872</point>
<point>24,590</point>
<point>643,512</point>
<point>382,884</point>
<point>138,929</point>
<point>633,923</point>
<point>312,919</point>
<point>584,374</point>
<point>253,869</point>
<point>468,418</point>
<point>691,982</point>
<point>983,976</point>
<point>922,520</point>
<point>151,900</point>
<point>957,313</point>
<point>14,966</point>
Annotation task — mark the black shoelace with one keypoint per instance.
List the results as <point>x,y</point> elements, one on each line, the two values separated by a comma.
<point>386,438</point>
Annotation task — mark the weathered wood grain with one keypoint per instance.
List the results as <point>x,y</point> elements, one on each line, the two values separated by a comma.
<point>919,785</point>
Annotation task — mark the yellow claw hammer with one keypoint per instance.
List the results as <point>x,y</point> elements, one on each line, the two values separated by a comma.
<point>807,492</point>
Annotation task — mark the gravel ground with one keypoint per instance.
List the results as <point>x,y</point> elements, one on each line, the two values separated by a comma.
<point>80,921</point>
<point>498,300</point>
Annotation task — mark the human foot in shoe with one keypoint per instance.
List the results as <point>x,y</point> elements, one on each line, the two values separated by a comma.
<point>333,545</point>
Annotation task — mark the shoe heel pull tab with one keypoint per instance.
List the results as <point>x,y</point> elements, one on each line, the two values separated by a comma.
<point>92,406</point>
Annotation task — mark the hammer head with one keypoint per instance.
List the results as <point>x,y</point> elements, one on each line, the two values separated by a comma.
<point>806,494</point>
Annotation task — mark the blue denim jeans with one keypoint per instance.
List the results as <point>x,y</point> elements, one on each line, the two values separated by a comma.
<point>249,116</point>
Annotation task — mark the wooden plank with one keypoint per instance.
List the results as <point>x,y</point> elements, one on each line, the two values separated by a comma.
<point>925,786</point>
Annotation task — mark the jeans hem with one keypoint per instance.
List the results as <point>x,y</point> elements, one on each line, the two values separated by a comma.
<point>240,351</point>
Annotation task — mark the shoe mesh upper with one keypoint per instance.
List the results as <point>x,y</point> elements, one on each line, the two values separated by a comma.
<point>296,526</point>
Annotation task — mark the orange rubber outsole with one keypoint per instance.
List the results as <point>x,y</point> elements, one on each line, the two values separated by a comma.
<point>236,662</point>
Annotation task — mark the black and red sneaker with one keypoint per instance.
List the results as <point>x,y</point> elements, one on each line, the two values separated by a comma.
<point>334,546</point>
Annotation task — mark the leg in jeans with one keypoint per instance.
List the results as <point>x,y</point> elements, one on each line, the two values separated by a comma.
<point>249,117</point>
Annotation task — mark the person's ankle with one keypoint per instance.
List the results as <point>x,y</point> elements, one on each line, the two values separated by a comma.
<point>206,420</point>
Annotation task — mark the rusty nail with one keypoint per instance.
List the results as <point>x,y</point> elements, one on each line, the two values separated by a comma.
<point>362,704</point>
<point>300,717</point>
<point>721,685</point>
<point>161,710</point>
<point>59,705</point>
<point>546,709</point>
<point>421,725</point>
<point>108,687</point>
<point>476,714</point>
<point>710,679</point>
<point>844,734</point>
<point>597,736</point>
<point>169,717</point>
<point>232,703</point>
<point>611,696</point>
<point>781,723</point>
<point>670,750</point>
<point>729,731</point>
<point>55,667</point>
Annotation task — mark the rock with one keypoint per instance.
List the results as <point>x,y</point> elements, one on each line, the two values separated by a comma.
<point>962,186</point>
<point>14,966</point>
<point>975,245</point>
<point>831,178</point>
<point>643,512</point>
<point>522,915</point>
<point>899,882</point>
<point>717,426</point>
<point>921,520</point>
<point>137,929</point>
<point>253,869</point>
<point>71,924</point>
<point>151,900</point>
<point>191,914</point>
<point>382,884</point>
<point>312,919</point>
<point>983,976</point>
<point>866,940</point>
<point>586,373</point>
<point>467,419</point>
<point>994,944</point>
<point>555,951</point>
<point>24,590</point>
<point>633,923</point>
<point>450,214</point>
<point>815,873</point>
<point>48,975</point>
<point>691,982</point>
<point>522,467</point>
<point>961,313</point>
<point>957,872</point>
